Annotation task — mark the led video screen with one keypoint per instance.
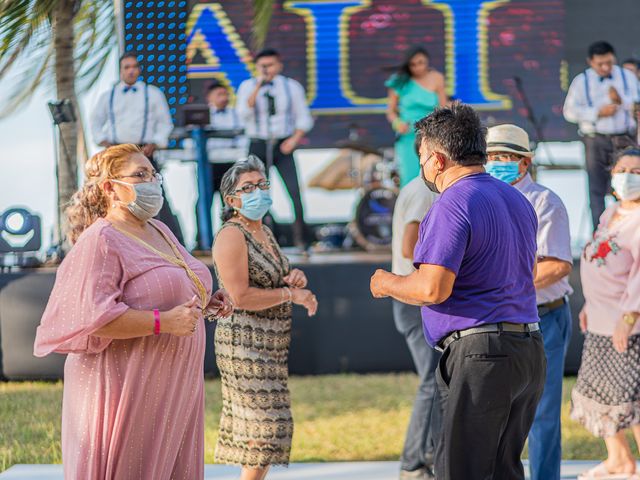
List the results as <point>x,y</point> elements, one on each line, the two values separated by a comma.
<point>343,51</point>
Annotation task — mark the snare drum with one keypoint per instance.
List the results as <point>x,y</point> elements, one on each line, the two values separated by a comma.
<point>372,226</point>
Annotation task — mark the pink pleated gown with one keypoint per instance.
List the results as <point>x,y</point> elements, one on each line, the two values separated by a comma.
<point>132,409</point>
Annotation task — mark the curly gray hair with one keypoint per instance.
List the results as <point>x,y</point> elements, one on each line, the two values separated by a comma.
<point>229,183</point>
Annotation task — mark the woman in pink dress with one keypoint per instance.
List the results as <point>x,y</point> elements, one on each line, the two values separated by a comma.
<point>127,307</point>
<point>606,398</point>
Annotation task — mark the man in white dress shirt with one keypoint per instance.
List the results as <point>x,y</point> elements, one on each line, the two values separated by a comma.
<point>274,107</point>
<point>135,112</point>
<point>600,100</point>
<point>509,157</point>
<point>222,152</point>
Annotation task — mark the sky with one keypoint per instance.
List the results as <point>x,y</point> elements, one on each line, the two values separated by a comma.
<point>27,172</point>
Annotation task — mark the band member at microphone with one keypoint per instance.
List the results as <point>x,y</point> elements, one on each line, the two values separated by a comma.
<point>274,111</point>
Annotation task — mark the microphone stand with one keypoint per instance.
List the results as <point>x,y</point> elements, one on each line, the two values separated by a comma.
<point>205,188</point>
<point>61,112</point>
<point>271,111</point>
<point>537,124</point>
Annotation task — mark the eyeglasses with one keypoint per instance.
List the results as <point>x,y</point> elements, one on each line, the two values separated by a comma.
<point>503,157</point>
<point>145,176</point>
<point>251,187</point>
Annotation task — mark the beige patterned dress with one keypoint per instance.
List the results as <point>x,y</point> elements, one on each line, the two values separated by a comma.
<point>252,350</point>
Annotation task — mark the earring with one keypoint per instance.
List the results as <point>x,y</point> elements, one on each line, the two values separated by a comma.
<point>113,205</point>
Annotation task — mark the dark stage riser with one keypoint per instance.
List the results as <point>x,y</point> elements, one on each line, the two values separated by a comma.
<point>352,332</point>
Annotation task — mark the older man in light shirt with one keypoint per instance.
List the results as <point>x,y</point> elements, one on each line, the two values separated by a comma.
<point>509,158</point>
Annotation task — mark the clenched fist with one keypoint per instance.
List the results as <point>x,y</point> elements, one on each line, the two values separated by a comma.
<point>181,320</point>
<point>305,298</point>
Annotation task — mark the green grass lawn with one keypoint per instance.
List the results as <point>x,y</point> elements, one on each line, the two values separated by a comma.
<point>337,418</point>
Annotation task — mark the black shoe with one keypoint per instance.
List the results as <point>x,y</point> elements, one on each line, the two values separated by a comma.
<point>423,473</point>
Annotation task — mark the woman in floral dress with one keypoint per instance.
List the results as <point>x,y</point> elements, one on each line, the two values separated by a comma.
<point>606,398</point>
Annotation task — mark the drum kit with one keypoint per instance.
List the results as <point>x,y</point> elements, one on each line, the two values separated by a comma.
<point>373,172</point>
<point>370,170</point>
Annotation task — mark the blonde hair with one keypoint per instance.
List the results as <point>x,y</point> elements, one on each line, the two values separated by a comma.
<point>90,202</point>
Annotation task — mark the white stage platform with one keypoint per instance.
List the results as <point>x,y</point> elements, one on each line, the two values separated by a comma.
<point>297,471</point>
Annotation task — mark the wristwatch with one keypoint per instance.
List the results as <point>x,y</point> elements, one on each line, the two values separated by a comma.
<point>629,319</point>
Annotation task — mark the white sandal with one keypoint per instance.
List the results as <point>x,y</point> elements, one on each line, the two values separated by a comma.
<point>600,472</point>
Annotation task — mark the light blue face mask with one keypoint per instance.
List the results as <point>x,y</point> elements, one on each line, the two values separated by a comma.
<point>256,204</point>
<point>508,172</point>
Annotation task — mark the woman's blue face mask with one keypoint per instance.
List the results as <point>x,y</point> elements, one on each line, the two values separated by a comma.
<point>256,204</point>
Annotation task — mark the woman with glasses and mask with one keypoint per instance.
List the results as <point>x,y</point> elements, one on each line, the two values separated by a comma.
<point>252,346</point>
<point>414,91</point>
<point>606,398</point>
<point>127,307</point>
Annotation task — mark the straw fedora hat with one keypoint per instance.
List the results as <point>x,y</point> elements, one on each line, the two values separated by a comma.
<point>508,138</point>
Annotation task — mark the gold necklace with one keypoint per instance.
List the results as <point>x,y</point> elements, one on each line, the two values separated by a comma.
<point>253,233</point>
<point>246,225</point>
<point>177,260</point>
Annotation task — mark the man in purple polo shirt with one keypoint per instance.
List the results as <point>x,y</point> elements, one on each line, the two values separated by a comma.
<point>475,262</point>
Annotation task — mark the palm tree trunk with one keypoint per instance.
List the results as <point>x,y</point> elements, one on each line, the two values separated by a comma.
<point>63,35</point>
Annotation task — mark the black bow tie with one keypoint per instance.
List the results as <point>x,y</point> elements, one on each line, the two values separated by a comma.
<point>133,88</point>
<point>222,110</point>
<point>608,77</point>
<point>267,84</point>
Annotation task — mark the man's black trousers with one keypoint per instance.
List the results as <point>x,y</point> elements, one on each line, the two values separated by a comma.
<point>287,168</point>
<point>490,385</point>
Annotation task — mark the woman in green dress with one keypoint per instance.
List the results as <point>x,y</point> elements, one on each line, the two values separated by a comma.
<point>415,90</point>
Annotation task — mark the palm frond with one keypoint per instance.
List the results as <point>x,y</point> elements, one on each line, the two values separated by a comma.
<point>26,55</point>
<point>21,19</point>
<point>33,77</point>
<point>95,40</point>
<point>262,12</point>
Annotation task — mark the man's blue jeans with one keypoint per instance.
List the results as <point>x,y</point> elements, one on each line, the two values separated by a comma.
<point>424,426</point>
<point>545,452</point>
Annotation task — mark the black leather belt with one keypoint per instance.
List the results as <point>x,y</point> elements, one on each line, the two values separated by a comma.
<point>607,135</point>
<point>264,140</point>
<point>545,308</point>
<point>489,328</point>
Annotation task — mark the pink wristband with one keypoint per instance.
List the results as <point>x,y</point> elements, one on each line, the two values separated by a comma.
<point>156,321</point>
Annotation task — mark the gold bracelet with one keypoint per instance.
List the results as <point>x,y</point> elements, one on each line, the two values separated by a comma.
<point>629,319</point>
<point>288,290</point>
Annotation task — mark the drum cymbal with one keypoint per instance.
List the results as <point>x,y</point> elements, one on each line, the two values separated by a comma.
<point>358,146</point>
